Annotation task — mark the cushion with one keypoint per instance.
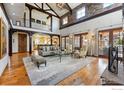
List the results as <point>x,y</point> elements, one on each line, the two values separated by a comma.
<point>37,58</point>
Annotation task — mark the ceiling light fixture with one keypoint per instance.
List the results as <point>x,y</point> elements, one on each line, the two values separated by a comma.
<point>60,5</point>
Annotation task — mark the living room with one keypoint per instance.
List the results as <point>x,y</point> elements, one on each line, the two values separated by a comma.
<point>61,44</point>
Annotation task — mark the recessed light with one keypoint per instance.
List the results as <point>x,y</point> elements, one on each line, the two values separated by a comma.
<point>13,13</point>
<point>12,3</point>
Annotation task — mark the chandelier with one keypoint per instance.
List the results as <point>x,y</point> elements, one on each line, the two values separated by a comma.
<point>60,5</point>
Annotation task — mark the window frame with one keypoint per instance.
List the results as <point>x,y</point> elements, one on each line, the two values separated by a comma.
<point>63,19</point>
<point>80,11</point>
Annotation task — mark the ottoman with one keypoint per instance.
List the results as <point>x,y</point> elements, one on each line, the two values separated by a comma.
<point>38,60</point>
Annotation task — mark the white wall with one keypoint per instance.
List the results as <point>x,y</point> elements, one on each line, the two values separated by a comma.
<point>43,17</point>
<point>15,43</point>
<point>5,59</point>
<point>112,20</point>
<point>102,22</point>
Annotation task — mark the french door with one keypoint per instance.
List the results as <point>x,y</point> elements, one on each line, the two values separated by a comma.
<point>112,37</point>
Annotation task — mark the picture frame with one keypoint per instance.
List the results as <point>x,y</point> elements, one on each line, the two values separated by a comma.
<point>18,23</point>
<point>3,39</point>
<point>38,21</point>
<point>33,20</point>
<point>43,23</point>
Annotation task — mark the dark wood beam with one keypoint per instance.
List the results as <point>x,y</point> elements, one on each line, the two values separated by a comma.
<point>37,5</point>
<point>41,10</point>
<point>30,16</point>
<point>51,23</point>
<point>24,19</point>
<point>30,42</point>
<point>48,17</point>
<point>52,9</point>
<point>42,5</point>
<point>47,10</point>
<point>69,8</point>
<point>10,42</point>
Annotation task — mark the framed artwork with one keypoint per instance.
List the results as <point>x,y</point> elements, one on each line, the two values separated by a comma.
<point>43,23</point>
<point>33,20</point>
<point>38,21</point>
<point>18,23</point>
<point>3,42</point>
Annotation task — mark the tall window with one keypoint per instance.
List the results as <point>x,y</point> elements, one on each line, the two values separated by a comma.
<point>81,12</point>
<point>107,4</point>
<point>65,20</point>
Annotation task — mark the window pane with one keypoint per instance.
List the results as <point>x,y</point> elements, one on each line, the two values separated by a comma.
<point>107,4</point>
<point>65,20</point>
<point>81,13</point>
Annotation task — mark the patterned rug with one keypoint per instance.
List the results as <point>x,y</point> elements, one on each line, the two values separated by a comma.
<point>55,71</point>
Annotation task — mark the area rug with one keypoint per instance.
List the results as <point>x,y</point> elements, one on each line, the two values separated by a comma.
<point>55,71</point>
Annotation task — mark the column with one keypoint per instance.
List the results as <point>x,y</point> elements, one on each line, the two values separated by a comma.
<point>30,43</point>
<point>10,42</point>
<point>30,16</point>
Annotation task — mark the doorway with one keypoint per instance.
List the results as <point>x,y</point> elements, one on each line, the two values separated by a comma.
<point>22,42</point>
<point>109,37</point>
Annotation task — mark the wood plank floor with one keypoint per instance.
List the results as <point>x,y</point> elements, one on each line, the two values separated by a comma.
<point>15,73</point>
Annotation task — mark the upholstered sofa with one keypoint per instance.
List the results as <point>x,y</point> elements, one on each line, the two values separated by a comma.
<point>47,50</point>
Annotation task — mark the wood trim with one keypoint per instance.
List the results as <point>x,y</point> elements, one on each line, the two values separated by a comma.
<point>82,33</point>
<point>42,6</point>
<point>92,17</point>
<point>111,29</point>
<point>51,23</point>
<point>52,10</point>
<point>24,19</point>
<point>33,32</point>
<point>37,5</point>
<point>41,10</point>
<point>70,10</point>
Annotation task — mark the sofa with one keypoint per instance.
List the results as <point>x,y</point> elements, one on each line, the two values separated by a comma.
<point>47,50</point>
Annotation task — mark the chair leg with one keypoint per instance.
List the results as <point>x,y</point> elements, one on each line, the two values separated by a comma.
<point>38,65</point>
<point>45,63</point>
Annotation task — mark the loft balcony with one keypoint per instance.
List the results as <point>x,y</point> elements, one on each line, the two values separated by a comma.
<point>25,23</point>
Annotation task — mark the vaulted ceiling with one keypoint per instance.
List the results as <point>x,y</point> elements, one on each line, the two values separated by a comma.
<point>56,9</point>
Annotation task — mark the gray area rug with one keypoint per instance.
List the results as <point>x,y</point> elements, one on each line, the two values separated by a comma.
<point>55,71</point>
<point>111,78</point>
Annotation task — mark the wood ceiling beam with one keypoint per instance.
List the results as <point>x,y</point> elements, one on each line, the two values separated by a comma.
<point>47,10</point>
<point>52,9</point>
<point>69,8</point>
<point>37,6</point>
<point>40,9</point>
<point>42,6</point>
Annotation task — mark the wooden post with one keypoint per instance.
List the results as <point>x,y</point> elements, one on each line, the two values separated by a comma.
<point>10,42</point>
<point>30,43</point>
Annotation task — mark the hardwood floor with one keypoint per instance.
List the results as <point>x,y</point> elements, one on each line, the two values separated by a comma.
<point>15,73</point>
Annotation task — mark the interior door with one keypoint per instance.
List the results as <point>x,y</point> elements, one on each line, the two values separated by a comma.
<point>22,42</point>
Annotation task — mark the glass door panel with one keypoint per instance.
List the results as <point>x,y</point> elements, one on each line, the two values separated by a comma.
<point>84,40</point>
<point>67,42</point>
<point>77,41</point>
<point>63,43</point>
<point>117,41</point>
<point>103,43</point>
